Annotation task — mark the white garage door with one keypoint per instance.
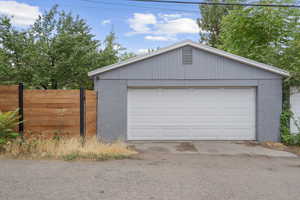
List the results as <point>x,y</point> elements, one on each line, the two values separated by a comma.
<point>191,114</point>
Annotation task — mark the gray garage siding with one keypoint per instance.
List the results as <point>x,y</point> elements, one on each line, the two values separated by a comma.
<point>205,66</point>
<point>166,70</point>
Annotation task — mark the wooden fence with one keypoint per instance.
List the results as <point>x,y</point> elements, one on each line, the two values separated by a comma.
<point>9,97</point>
<point>52,112</point>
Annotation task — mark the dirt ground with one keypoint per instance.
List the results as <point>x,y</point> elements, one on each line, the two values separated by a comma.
<point>276,146</point>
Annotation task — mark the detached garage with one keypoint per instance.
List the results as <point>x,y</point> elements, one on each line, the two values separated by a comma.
<point>189,91</point>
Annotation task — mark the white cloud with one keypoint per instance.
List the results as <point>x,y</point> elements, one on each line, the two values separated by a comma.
<point>162,27</point>
<point>22,14</point>
<point>106,21</point>
<point>167,17</point>
<point>178,26</point>
<point>141,21</point>
<point>172,15</point>
<point>158,38</point>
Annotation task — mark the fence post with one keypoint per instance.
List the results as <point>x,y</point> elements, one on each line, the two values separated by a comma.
<point>82,112</point>
<point>21,109</point>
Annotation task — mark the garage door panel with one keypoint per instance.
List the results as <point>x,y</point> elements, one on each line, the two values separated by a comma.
<point>192,126</point>
<point>194,113</point>
<point>207,134</point>
<point>173,112</point>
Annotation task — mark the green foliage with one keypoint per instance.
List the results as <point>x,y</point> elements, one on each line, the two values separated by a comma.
<point>284,122</point>
<point>13,52</point>
<point>287,137</point>
<point>56,52</point>
<point>290,59</point>
<point>265,34</point>
<point>210,21</point>
<point>8,122</point>
<point>110,54</point>
<point>291,139</point>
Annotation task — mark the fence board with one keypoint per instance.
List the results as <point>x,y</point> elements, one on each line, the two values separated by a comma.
<point>9,97</point>
<point>91,113</point>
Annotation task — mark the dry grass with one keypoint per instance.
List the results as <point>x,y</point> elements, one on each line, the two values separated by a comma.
<point>67,149</point>
<point>281,147</point>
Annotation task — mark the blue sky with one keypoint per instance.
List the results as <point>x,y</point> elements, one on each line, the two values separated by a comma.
<point>138,25</point>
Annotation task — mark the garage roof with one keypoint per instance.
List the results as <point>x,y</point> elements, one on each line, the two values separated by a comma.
<point>195,45</point>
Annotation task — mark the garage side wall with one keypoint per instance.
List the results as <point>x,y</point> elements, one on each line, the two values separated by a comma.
<point>112,106</point>
<point>166,70</point>
<point>269,107</point>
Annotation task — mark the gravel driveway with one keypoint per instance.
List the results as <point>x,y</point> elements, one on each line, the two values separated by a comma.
<point>153,176</point>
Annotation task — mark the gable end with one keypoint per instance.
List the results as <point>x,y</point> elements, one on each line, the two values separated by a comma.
<point>188,59</point>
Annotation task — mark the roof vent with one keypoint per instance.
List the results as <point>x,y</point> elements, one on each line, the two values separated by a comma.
<point>187,55</point>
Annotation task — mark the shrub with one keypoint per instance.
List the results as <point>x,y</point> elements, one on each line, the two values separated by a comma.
<point>287,137</point>
<point>291,139</point>
<point>8,122</point>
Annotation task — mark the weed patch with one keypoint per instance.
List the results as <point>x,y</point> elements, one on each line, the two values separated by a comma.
<point>67,149</point>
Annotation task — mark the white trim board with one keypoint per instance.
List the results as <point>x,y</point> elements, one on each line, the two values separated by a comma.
<point>195,45</point>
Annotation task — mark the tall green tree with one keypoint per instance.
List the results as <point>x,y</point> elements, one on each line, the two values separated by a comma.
<point>210,21</point>
<point>111,51</point>
<point>269,35</point>
<point>15,51</point>
<point>290,59</point>
<point>57,51</point>
<point>64,50</point>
